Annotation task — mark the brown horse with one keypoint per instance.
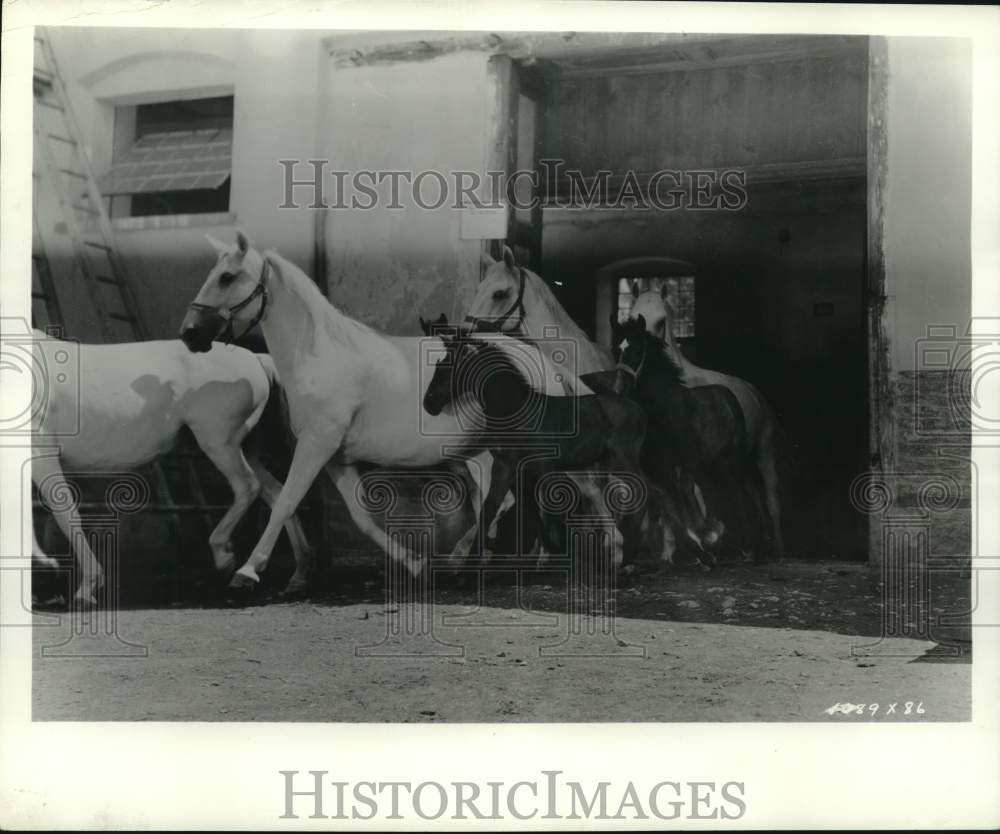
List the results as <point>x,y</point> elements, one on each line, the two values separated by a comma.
<point>761,425</point>
<point>698,431</point>
<point>565,432</point>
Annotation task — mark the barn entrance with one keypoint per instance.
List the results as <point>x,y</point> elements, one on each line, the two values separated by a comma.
<point>771,284</point>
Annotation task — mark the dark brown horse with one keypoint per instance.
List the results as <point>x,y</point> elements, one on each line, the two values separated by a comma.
<point>699,431</point>
<point>534,433</point>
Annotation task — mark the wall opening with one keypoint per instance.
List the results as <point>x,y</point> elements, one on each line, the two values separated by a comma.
<point>779,282</point>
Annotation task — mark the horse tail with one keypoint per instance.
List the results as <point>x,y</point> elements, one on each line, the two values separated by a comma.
<point>272,437</point>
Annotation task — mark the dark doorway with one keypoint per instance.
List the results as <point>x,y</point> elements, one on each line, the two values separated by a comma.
<point>779,280</point>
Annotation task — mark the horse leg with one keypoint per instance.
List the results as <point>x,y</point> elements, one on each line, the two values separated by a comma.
<point>498,476</point>
<point>39,556</point>
<point>701,527</point>
<point>753,489</point>
<point>710,527</point>
<point>54,489</point>
<point>501,483</point>
<point>464,545</point>
<point>311,453</point>
<point>769,481</point>
<point>657,523</point>
<point>229,460</point>
<point>505,505</point>
<point>270,489</point>
<point>738,489</point>
<point>535,530</point>
<point>593,492</point>
<point>346,479</point>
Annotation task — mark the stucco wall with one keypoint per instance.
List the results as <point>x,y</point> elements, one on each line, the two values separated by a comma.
<point>928,195</point>
<point>387,265</point>
<point>275,116</point>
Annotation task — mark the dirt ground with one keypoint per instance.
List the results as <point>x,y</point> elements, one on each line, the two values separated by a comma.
<point>743,643</point>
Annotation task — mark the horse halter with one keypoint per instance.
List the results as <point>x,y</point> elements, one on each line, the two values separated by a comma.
<point>227,314</point>
<point>635,372</point>
<point>480,325</point>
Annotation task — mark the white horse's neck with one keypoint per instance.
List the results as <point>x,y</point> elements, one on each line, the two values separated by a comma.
<point>299,316</point>
<point>542,310</point>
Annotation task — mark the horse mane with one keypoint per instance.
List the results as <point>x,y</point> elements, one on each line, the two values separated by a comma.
<point>324,316</point>
<point>674,366</point>
<point>655,349</point>
<point>546,299</point>
<point>565,378</point>
<point>658,348</point>
<point>501,354</point>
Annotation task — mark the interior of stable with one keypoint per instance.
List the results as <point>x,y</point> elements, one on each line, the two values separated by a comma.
<point>773,291</point>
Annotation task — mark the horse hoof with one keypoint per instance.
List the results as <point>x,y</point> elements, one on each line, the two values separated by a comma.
<point>84,602</point>
<point>295,588</point>
<point>415,565</point>
<point>241,581</point>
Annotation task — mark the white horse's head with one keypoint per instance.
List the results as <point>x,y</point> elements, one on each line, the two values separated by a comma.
<point>658,312</point>
<point>515,300</point>
<point>499,302</point>
<point>232,299</point>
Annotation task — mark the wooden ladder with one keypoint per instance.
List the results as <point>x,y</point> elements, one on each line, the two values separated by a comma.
<point>64,180</point>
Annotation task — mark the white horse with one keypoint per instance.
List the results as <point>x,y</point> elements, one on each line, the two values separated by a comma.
<point>354,395</point>
<point>760,420</point>
<point>131,403</point>
<point>515,300</point>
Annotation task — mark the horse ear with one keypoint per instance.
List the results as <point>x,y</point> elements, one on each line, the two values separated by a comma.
<point>488,260</point>
<point>273,260</point>
<point>508,259</point>
<point>442,319</point>
<point>242,241</point>
<point>635,289</point>
<point>217,244</point>
<point>425,325</point>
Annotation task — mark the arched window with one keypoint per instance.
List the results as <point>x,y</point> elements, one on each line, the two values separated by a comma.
<point>615,283</point>
<point>680,294</point>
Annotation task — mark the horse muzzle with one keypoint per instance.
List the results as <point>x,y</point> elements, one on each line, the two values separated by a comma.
<point>198,330</point>
<point>433,404</point>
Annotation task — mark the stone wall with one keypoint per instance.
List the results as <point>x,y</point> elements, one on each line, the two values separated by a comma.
<point>931,479</point>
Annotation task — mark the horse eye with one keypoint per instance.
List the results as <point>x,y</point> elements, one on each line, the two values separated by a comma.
<point>500,295</point>
<point>226,278</point>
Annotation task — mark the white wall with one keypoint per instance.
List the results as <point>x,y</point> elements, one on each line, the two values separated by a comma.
<point>386,265</point>
<point>274,76</point>
<point>928,189</point>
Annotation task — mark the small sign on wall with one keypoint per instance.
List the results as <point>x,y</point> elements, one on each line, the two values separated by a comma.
<point>484,223</point>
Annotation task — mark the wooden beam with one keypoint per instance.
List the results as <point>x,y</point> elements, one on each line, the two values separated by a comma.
<point>501,135</point>
<point>569,54</point>
<point>625,66</point>
<point>422,50</point>
<point>777,172</point>
<point>882,441</point>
